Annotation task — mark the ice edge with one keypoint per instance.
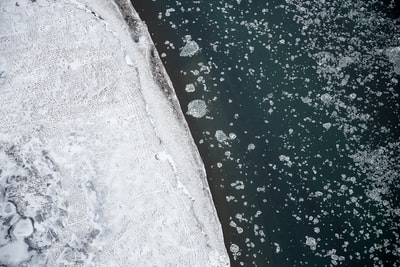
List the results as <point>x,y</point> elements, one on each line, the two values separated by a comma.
<point>138,29</point>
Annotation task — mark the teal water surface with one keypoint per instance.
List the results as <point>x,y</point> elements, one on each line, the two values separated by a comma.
<point>301,137</point>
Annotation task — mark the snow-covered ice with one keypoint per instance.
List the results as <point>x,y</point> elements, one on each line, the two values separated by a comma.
<point>97,165</point>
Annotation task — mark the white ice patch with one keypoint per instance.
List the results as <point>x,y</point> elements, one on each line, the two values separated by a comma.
<point>221,136</point>
<point>311,242</point>
<point>234,248</point>
<point>190,88</point>
<point>238,185</point>
<point>190,49</point>
<point>277,248</point>
<point>327,125</point>
<point>169,11</point>
<point>286,160</point>
<point>326,98</point>
<point>306,100</point>
<point>251,147</point>
<point>334,258</point>
<point>197,108</point>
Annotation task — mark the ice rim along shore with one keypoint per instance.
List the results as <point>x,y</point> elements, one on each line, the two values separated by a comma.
<point>97,163</point>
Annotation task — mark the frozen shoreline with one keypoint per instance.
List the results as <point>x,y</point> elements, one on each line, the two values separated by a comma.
<point>98,164</point>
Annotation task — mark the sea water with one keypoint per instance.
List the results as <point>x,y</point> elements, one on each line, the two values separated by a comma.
<point>294,106</point>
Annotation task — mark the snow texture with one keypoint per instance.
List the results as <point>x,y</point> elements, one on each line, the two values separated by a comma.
<point>97,165</point>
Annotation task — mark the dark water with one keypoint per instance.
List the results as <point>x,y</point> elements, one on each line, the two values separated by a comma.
<point>301,139</point>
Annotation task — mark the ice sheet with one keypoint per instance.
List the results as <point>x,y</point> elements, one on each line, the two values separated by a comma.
<point>97,165</point>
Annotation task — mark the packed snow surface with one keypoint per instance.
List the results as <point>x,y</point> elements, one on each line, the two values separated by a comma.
<point>97,166</point>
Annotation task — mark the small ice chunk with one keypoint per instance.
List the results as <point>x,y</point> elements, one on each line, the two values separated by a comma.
<point>306,100</point>
<point>232,136</point>
<point>311,242</point>
<point>284,158</point>
<point>23,228</point>
<point>318,194</point>
<point>221,136</point>
<point>234,248</point>
<point>169,11</point>
<point>190,88</point>
<point>353,96</point>
<point>327,125</point>
<point>197,108</point>
<point>251,146</point>
<point>190,49</point>
<point>326,98</point>
<point>277,248</point>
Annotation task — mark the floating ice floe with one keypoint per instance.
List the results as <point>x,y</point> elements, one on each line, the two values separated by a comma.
<point>326,98</point>
<point>327,125</point>
<point>190,49</point>
<point>197,108</point>
<point>234,248</point>
<point>190,88</point>
<point>169,11</point>
<point>251,147</point>
<point>311,242</point>
<point>223,138</point>
<point>277,248</point>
